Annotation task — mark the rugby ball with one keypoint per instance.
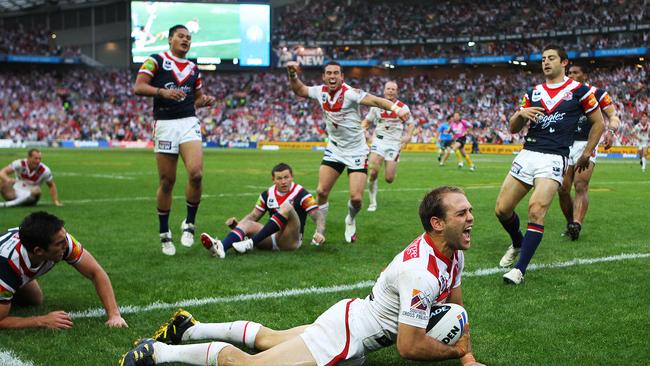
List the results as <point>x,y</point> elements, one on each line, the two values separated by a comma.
<point>446,323</point>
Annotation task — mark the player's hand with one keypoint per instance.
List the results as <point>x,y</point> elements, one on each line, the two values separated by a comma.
<point>293,68</point>
<point>56,320</point>
<point>464,346</point>
<point>404,114</point>
<point>582,163</point>
<point>116,321</point>
<point>608,140</point>
<point>205,101</point>
<point>232,222</point>
<point>173,94</point>
<point>532,113</point>
<point>318,239</point>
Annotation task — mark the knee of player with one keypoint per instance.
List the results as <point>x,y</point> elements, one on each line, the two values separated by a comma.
<point>536,212</point>
<point>231,355</point>
<point>322,192</point>
<point>196,176</point>
<point>389,179</point>
<point>581,186</point>
<point>356,200</point>
<point>36,191</point>
<point>167,183</point>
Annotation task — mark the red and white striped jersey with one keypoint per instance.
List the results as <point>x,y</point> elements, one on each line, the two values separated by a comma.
<point>341,114</point>
<point>417,279</point>
<point>642,131</point>
<point>29,177</point>
<point>388,124</point>
<point>16,270</point>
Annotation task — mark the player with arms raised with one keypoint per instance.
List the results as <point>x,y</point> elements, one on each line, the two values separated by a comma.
<point>575,210</point>
<point>390,137</point>
<point>347,143</point>
<point>553,110</point>
<point>176,87</point>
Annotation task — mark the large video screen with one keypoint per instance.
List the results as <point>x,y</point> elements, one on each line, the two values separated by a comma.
<point>236,34</point>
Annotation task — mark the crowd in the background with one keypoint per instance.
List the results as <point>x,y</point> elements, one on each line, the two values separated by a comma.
<point>17,41</point>
<point>492,48</point>
<point>87,104</point>
<point>372,19</point>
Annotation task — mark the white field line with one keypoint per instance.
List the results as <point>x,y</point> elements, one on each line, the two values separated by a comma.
<point>248,194</point>
<point>134,309</point>
<point>103,176</point>
<point>7,358</point>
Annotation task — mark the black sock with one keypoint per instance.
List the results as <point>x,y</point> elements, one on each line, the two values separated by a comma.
<point>275,224</point>
<point>192,207</point>
<point>163,220</point>
<point>512,227</point>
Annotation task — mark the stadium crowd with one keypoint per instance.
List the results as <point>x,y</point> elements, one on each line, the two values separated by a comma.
<point>18,41</point>
<point>89,104</point>
<point>368,19</point>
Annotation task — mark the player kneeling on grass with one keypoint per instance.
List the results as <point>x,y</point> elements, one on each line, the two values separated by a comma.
<point>29,252</point>
<point>288,205</point>
<point>425,274</point>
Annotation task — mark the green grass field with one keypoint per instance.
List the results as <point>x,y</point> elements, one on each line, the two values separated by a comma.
<point>581,313</point>
<point>217,22</point>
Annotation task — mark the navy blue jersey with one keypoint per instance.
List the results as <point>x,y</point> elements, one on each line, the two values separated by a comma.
<point>303,202</point>
<point>563,106</point>
<point>584,127</point>
<point>170,72</point>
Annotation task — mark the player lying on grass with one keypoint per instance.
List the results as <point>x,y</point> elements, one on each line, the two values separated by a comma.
<point>425,274</point>
<point>288,205</point>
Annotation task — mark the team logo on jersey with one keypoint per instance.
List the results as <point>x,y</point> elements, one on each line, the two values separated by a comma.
<point>167,65</point>
<point>516,168</point>
<point>568,96</point>
<point>537,96</point>
<point>419,300</point>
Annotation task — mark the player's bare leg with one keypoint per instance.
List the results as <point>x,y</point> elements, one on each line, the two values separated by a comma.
<point>538,205</point>
<point>357,184</point>
<point>390,171</point>
<point>446,155</point>
<point>167,178</point>
<point>581,202</point>
<point>7,190</point>
<point>465,155</point>
<point>564,194</point>
<point>512,192</point>
<point>192,154</point>
<point>293,352</point>
<point>643,153</point>
<point>374,163</point>
<point>283,228</point>
<point>327,177</point>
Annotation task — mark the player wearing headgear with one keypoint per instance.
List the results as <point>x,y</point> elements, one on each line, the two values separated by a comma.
<point>390,137</point>
<point>176,87</point>
<point>552,111</point>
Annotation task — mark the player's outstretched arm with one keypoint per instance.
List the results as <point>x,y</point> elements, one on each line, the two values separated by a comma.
<point>414,344</point>
<point>54,193</point>
<point>385,104</point>
<point>90,268</point>
<point>519,119</point>
<point>408,134</point>
<point>597,128</point>
<point>319,220</point>
<point>5,174</point>
<point>54,320</point>
<point>297,86</point>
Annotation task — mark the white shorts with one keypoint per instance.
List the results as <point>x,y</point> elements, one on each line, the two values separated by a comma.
<point>575,151</point>
<point>389,150</point>
<point>356,159</point>
<point>170,133</point>
<point>345,332</point>
<point>274,241</point>
<point>642,144</point>
<point>24,190</point>
<point>529,165</point>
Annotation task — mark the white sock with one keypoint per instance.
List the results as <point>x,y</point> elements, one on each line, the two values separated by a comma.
<point>200,354</point>
<point>352,211</point>
<point>324,208</point>
<point>240,333</point>
<point>643,159</point>
<point>372,191</point>
<point>17,201</point>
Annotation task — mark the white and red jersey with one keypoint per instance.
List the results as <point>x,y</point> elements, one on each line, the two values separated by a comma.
<point>388,125</point>
<point>16,270</point>
<point>459,128</point>
<point>341,114</point>
<point>417,279</point>
<point>28,177</point>
<point>642,132</point>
